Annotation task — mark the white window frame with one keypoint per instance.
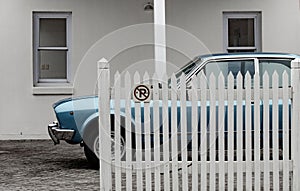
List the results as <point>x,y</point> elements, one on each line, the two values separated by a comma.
<point>36,48</point>
<point>257,30</point>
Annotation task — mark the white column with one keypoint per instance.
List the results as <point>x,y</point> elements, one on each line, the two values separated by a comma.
<point>160,37</point>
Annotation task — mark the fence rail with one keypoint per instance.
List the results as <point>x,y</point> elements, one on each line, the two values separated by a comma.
<point>189,93</point>
<point>204,136</point>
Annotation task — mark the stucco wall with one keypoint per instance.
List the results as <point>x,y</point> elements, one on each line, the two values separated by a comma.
<point>204,19</point>
<point>24,115</point>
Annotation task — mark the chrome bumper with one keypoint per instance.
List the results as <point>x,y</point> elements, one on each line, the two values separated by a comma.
<point>57,134</point>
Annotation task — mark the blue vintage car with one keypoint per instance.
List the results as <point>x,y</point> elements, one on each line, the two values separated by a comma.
<point>77,118</point>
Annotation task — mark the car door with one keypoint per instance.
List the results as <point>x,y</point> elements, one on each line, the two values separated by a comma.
<point>226,67</point>
<point>271,65</point>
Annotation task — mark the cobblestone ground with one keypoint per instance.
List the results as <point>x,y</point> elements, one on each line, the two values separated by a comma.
<point>39,165</point>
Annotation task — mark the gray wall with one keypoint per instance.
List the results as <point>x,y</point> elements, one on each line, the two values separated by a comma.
<point>204,19</point>
<point>24,115</point>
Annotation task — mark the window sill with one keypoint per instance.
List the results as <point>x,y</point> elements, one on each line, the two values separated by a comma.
<point>53,90</point>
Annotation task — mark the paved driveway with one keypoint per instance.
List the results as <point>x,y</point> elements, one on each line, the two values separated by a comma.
<point>39,165</point>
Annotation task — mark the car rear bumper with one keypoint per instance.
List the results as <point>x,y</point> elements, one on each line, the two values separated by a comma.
<point>57,134</point>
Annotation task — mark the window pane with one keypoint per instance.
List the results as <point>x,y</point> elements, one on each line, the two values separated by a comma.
<point>241,32</point>
<point>53,32</point>
<point>270,66</point>
<point>233,66</point>
<point>241,50</point>
<point>53,64</point>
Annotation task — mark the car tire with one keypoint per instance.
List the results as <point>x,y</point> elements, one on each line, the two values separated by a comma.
<point>91,147</point>
<point>91,157</point>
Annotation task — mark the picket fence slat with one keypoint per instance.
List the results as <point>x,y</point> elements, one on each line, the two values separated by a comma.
<point>138,138</point>
<point>195,181</point>
<point>248,183</point>
<point>256,132</point>
<point>117,133</point>
<point>174,136</point>
<point>266,130</point>
<point>221,127</point>
<point>147,140</point>
<point>239,129</point>
<point>275,148</point>
<point>156,129</point>
<point>238,140</point>
<point>285,128</point>
<point>203,125</point>
<point>230,123</point>
<point>165,118</point>
<point>212,133</point>
<point>128,132</point>
<point>183,127</point>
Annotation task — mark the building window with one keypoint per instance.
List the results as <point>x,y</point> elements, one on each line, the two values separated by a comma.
<point>51,36</point>
<point>242,31</point>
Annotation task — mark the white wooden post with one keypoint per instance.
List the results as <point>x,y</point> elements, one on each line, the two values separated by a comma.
<point>295,82</point>
<point>104,124</point>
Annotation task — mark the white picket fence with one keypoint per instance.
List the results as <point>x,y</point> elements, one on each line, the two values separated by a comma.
<point>220,138</point>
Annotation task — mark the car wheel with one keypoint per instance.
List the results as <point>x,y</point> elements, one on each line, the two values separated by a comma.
<point>91,157</point>
<point>91,148</point>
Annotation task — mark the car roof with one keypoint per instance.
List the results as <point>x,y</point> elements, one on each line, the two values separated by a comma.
<point>248,55</point>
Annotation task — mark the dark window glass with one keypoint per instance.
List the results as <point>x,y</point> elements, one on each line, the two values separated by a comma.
<point>241,32</point>
<point>53,64</point>
<point>52,32</point>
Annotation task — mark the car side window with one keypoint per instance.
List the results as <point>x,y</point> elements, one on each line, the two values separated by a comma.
<point>272,65</point>
<point>227,66</point>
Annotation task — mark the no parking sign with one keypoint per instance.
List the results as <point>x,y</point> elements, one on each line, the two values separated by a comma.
<point>142,93</point>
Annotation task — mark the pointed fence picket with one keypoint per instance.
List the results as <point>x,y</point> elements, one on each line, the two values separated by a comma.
<point>248,132</point>
<point>156,129</point>
<point>216,133</point>
<point>165,123</point>
<point>183,129</point>
<point>117,133</point>
<point>212,133</point>
<point>138,139</point>
<point>239,131</point>
<point>285,131</point>
<point>230,132</point>
<point>194,134</point>
<point>203,132</point>
<point>221,131</point>
<point>174,135</point>
<point>266,131</point>
<point>257,130</point>
<point>147,134</point>
<point>275,100</point>
<point>128,134</point>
